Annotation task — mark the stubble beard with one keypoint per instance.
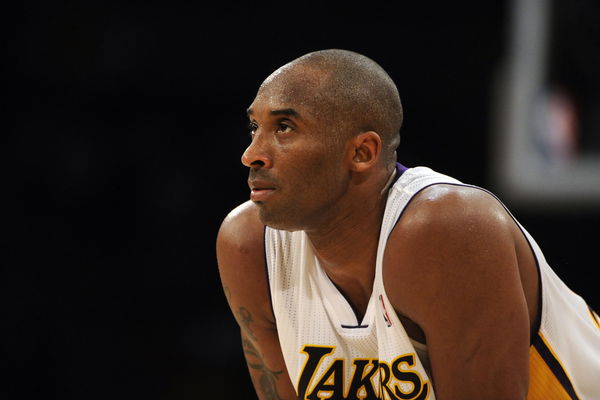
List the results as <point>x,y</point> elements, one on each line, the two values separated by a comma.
<point>282,218</point>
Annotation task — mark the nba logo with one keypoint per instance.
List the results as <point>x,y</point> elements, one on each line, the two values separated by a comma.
<point>386,317</point>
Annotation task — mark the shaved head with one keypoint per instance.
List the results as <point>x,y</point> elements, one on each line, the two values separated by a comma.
<point>348,91</point>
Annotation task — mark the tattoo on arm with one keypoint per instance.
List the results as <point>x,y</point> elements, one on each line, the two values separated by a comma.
<point>263,378</point>
<point>245,318</point>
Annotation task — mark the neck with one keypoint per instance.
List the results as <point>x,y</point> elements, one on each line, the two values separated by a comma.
<point>347,249</point>
<point>357,229</point>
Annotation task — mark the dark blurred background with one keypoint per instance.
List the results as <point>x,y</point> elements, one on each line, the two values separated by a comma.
<point>125,122</point>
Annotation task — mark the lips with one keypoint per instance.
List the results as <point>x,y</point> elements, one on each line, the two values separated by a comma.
<point>260,194</point>
<point>260,190</point>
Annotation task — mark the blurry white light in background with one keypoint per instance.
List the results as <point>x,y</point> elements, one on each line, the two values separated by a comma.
<point>539,158</point>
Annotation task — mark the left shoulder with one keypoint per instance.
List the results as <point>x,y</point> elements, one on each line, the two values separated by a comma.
<point>462,209</point>
<point>451,255</point>
<point>450,237</point>
<point>449,229</point>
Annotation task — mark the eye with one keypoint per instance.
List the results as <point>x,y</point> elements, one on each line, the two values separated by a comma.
<point>283,128</point>
<point>252,127</point>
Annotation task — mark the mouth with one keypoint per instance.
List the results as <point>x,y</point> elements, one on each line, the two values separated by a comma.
<point>260,194</point>
<point>260,191</point>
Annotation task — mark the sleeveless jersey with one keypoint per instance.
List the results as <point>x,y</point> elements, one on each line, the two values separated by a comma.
<point>330,354</point>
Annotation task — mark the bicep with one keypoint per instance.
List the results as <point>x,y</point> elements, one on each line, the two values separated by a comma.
<point>462,287</point>
<point>240,256</point>
<point>477,330</point>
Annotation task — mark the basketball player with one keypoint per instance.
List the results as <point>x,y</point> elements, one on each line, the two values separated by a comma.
<point>355,277</point>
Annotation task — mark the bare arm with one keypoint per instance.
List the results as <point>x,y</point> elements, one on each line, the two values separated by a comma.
<point>454,271</point>
<point>240,255</point>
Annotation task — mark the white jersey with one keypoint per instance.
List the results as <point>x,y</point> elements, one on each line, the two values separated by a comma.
<point>331,355</point>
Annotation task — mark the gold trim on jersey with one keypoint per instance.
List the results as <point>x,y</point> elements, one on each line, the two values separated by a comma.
<point>595,317</point>
<point>548,379</point>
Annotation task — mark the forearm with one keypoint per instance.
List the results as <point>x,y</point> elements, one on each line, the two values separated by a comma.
<point>269,383</point>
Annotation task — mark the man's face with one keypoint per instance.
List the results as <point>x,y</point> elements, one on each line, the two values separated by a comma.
<point>296,163</point>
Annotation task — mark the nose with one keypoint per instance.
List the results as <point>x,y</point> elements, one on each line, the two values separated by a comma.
<point>256,155</point>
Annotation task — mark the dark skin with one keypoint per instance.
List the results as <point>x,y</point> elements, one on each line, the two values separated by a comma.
<point>457,269</point>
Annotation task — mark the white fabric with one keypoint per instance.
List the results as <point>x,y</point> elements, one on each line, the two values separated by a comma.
<point>310,311</point>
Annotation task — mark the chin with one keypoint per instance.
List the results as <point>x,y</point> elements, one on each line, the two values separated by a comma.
<point>280,221</point>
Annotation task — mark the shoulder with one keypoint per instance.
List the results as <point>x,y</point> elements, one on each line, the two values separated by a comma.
<point>240,241</point>
<point>451,267</point>
<point>459,208</point>
<point>448,232</point>
<point>241,229</point>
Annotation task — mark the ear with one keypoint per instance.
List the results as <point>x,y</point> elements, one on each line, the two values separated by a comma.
<point>366,148</point>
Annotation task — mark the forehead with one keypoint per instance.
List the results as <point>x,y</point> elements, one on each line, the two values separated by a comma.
<point>295,88</point>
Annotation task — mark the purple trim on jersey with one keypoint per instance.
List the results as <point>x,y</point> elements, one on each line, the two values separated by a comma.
<point>400,169</point>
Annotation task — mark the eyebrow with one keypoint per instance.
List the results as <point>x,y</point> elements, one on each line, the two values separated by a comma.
<point>284,111</point>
